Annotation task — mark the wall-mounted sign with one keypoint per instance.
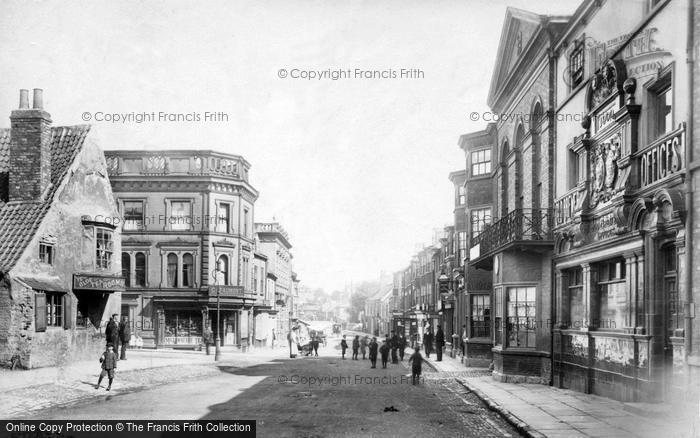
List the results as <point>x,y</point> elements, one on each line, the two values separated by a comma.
<point>603,227</point>
<point>101,283</point>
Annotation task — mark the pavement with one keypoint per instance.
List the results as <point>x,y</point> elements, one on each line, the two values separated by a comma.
<point>545,411</point>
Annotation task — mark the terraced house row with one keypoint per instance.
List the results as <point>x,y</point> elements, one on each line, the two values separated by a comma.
<point>165,239</point>
<point>578,205</point>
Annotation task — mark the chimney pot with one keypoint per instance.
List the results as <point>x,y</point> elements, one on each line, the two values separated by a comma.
<point>23,99</point>
<point>38,98</point>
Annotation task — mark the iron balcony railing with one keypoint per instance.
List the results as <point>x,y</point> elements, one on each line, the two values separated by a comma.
<point>520,225</point>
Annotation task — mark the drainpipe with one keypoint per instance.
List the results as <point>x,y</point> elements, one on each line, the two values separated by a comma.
<point>690,59</point>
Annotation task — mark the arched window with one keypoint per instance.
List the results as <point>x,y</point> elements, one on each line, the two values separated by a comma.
<point>140,269</point>
<point>187,270</point>
<point>126,268</point>
<point>519,135</point>
<point>172,270</point>
<point>222,270</point>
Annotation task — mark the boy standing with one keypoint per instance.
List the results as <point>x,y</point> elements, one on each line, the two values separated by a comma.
<point>109,365</point>
<point>416,367</point>
<point>343,346</point>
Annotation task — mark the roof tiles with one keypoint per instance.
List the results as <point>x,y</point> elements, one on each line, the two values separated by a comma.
<point>19,221</point>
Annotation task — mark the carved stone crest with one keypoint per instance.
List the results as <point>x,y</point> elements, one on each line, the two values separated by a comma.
<point>604,170</point>
<point>605,81</point>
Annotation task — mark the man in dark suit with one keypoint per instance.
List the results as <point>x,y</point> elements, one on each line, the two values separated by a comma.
<point>112,332</point>
<point>124,336</point>
<point>439,342</point>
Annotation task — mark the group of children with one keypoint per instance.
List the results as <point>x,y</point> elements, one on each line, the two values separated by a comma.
<point>416,359</point>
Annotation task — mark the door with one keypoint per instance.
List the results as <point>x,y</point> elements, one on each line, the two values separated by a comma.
<point>672,317</point>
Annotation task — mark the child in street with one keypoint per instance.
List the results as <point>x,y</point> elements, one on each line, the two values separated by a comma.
<point>384,351</point>
<point>109,365</point>
<point>416,366</point>
<point>343,346</point>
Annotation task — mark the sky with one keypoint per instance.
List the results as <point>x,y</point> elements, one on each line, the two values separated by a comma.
<point>355,169</point>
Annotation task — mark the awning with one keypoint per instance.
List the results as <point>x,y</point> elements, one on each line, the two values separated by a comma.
<point>50,284</point>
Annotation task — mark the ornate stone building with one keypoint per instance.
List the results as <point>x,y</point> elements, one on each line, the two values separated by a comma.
<point>59,243</point>
<point>622,284</point>
<point>188,247</point>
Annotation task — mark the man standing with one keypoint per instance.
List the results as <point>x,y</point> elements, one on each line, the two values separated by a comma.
<point>428,341</point>
<point>112,332</point>
<point>439,342</point>
<point>124,335</point>
<point>402,346</point>
<point>207,338</point>
<point>394,347</point>
<point>292,339</point>
<point>373,352</point>
<point>272,343</point>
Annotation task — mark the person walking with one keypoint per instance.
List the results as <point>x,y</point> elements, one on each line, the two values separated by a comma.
<point>394,347</point>
<point>464,340</point>
<point>314,344</point>
<point>207,338</point>
<point>355,347</point>
<point>343,346</point>
<point>363,347</point>
<point>428,342</point>
<point>112,331</point>
<point>373,346</point>
<point>384,351</point>
<point>416,362</point>
<point>439,342</point>
<point>402,346</point>
<point>274,338</point>
<point>124,336</point>
<point>109,366</point>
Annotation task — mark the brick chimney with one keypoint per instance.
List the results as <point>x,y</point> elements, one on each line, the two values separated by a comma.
<point>30,149</point>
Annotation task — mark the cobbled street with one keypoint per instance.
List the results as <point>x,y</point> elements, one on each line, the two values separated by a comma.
<point>310,397</point>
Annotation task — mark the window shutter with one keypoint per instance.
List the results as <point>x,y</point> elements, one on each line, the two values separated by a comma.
<point>67,312</point>
<point>40,311</point>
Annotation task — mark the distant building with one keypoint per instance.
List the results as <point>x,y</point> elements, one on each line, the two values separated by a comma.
<point>60,243</point>
<point>273,242</point>
<point>188,245</point>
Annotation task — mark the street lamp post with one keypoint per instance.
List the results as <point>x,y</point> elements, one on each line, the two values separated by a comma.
<point>217,347</point>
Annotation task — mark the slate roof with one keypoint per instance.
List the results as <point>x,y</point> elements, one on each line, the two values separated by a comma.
<point>19,221</point>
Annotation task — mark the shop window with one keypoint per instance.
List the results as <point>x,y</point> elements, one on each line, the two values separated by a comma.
<point>140,269</point>
<point>574,278</point>
<point>187,270</point>
<point>172,270</point>
<point>46,253</point>
<point>133,215</point>
<point>104,248</point>
<point>660,107</point>
<point>223,218</point>
<point>612,294</point>
<point>481,162</point>
<point>521,317</point>
<point>576,64</point>
<point>183,327</point>
<point>180,215</point>
<point>126,268</point>
<point>480,316</point>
